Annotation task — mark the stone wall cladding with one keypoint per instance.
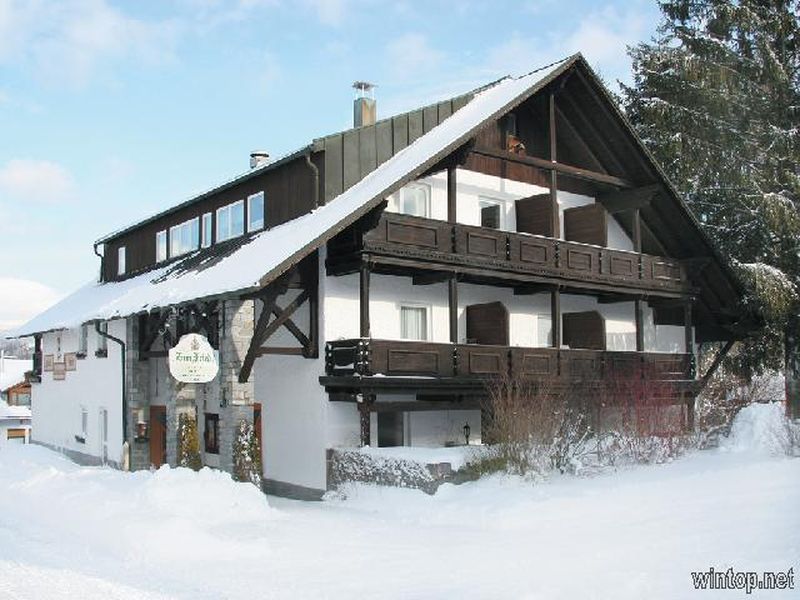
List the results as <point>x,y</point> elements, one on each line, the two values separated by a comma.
<point>137,379</point>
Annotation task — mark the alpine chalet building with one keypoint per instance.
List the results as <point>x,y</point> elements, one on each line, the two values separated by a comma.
<point>363,289</point>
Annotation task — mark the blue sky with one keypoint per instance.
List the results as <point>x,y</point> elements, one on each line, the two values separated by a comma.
<point>110,110</point>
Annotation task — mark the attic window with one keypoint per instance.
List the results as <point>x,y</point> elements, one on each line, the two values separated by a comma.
<point>184,238</point>
<point>255,212</point>
<point>161,245</point>
<point>230,221</point>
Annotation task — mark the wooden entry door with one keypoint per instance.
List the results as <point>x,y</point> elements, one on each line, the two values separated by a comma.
<point>158,435</point>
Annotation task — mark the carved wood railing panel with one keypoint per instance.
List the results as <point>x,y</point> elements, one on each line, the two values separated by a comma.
<point>433,240</point>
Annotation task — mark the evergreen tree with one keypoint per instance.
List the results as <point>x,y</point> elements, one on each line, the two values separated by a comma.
<point>188,443</point>
<point>247,455</point>
<point>716,98</point>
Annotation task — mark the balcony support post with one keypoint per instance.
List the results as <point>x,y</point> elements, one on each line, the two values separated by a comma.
<point>363,299</point>
<point>364,419</point>
<point>637,229</point>
<point>688,332</point>
<point>452,305</point>
<point>452,193</point>
<point>553,172</point>
<point>637,307</point>
<point>555,317</point>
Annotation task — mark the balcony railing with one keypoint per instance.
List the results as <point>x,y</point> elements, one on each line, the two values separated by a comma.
<point>422,239</point>
<point>397,358</point>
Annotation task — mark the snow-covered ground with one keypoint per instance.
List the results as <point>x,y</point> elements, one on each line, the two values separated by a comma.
<point>76,532</point>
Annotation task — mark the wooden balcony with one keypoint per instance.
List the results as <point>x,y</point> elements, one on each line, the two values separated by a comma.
<point>394,363</point>
<point>419,241</point>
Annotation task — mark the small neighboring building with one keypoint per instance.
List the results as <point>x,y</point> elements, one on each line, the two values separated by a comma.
<point>362,290</point>
<point>15,400</point>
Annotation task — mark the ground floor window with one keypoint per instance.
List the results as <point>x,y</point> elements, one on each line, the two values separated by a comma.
<point>212,433</point>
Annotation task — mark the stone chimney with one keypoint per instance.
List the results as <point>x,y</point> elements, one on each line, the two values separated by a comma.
<point>364,109</point>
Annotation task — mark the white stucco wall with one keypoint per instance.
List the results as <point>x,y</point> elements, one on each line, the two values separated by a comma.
<point>473,186</point>
<point>96,383</point>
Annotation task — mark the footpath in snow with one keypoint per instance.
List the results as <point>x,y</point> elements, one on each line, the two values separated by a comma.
<point>78,532</point>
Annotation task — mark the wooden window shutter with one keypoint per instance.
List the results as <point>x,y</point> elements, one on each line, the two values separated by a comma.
<point>584,330</point>
<point>586,224</point>
<point>537,215</point>
<point>487,324</point>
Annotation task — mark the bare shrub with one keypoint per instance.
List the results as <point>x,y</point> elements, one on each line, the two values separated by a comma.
<point>534,428</point>
<point>642,419</point>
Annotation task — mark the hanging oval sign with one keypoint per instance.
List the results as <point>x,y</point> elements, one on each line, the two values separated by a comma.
<point>193,360</point>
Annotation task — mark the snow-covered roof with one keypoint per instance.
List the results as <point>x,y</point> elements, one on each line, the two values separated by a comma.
<point>12,371</point>
<point>265,256</point>
<point>13,412</point>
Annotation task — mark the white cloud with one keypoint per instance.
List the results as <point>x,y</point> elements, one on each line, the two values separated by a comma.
<point>330,12</point>
<point>68,41</point>
<point>411,55</point>
<point>22,299</point>
<point>24,180</point>
<point>602,36</point>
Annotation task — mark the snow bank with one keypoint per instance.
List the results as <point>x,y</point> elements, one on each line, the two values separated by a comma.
<point>760,429</point>
<point>175,514</point>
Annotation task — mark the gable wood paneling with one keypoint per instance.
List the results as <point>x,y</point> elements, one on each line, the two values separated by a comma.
<point>487,324</point>
<point>586,224</point>
<point>584,330</point>
<point>353,154</point>
<point>288,193</point>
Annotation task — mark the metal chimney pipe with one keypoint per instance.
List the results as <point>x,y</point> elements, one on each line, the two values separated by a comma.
<point>364,107</point>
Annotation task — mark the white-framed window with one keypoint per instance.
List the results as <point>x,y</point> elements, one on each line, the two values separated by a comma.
<point>414,322</point>
<point>207,230</point>
<point>84,421</point>
<point>83,339</point>
<point>230,221</point>
<point>255,212</point>
<point>184,238</point>
<point>415,200</point>
<point>161,245</point>
<point>491,213</point>
<point>121,260</point>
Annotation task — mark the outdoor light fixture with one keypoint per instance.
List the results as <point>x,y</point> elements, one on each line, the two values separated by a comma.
<point>141,431</point>
<point>467,429</point>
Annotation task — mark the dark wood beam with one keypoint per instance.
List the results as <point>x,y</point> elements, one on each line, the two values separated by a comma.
<point>574,135</point>
<point>548,165</point>
<point>363,299</point>
<point>429,278</point>
<point>553,161</point>
<point>364,419</point>
<point>285,351</point>
<point>268,299</point>
<point>637,307</point>
<point>587,125</point>
<point>715,364</point>
<point>530,289</point>
<point>622,200</point>
<point>555,317</point>
<point>604,108</point>
<point>423,405</point>
<point>452,195</point>
<point>637,229</point>
<point>688,331</point>
<point>452,306</point>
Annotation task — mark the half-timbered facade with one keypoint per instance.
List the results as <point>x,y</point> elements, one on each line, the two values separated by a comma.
<point>362,290</point>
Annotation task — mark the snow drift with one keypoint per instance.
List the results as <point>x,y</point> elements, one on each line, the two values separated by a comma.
<point>761,429</point>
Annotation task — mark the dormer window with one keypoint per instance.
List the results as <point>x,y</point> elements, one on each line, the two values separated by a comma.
<point>230,221</point>
<point>255,212</point>
<point>415,200</point>
<point>184,238</point>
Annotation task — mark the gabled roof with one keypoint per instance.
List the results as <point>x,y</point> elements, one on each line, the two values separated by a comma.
<point>12,371</point>
<point>268,254</point>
